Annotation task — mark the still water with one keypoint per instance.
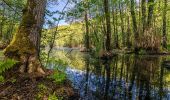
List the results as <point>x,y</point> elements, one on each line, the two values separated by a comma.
<point>125,77</point>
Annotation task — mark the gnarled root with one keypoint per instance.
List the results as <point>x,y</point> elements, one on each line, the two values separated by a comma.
<point>31,64</point>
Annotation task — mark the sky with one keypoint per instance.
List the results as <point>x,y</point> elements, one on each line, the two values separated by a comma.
<point>57,6</point>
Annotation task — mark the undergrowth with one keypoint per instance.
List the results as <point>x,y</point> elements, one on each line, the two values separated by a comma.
<point>58,77</point>
<point>43,92</point>
<point>4,66</point>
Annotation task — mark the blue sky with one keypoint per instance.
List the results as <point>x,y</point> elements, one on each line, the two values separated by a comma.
<point>57,6</point>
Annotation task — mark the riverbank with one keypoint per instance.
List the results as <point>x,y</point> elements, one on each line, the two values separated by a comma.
<point>53,86</point>
<point>18,86</point>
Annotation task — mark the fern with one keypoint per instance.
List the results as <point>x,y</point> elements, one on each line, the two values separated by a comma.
<point>7,64</point>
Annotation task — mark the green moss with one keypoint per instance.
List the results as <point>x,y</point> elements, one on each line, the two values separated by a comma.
<point>21,44</point>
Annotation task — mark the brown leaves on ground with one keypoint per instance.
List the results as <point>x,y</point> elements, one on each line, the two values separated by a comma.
<point>26,86</point>
<point>27,89</point>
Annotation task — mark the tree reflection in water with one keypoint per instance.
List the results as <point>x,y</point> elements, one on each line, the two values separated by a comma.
<point>127,77</point>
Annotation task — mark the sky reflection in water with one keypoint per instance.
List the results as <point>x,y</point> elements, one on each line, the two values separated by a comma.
<point>125,77</point>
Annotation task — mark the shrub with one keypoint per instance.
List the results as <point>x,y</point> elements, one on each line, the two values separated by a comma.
<point>59,77</point>
<point>149,42</point>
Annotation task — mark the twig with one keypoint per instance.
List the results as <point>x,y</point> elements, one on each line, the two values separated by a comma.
<point>11,7</point>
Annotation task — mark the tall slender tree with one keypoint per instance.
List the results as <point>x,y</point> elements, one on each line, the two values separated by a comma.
<point>164,43</point>
<point>136,33</point>
<point>150,12</point>
<point>108,26</point>
<point>87,41</point>
<point>143,5</point>
<point>121,10</point>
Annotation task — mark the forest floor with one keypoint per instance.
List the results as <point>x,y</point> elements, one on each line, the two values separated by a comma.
<point>17,87</point>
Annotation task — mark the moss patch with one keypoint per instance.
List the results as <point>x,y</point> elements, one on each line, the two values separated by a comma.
<point>21,43</point>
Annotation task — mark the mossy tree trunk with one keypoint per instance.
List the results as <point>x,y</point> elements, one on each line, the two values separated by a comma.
<point>25,44</point>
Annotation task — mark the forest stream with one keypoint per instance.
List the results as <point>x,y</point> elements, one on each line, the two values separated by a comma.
<point>124,77</point>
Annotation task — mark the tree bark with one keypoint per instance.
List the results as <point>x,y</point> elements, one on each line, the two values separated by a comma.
<point>108,26</point>
<point>128,31</point>
<point>39,13</point>
<point>2,23</point>
<point>143,5</point>
<point>26,42</point>
<point>136,34</point>
<point>150,12</point>
<point>121,10</point>
<point>164,43</point>
<point>115,24</point>
<point>87,42</point>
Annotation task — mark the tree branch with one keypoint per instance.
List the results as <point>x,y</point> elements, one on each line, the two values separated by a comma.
<point>11,7</point>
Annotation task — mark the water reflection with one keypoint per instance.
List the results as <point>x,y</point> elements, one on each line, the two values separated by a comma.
<point>125,77</point>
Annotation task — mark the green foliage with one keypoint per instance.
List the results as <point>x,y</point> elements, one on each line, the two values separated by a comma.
<point>1,79</point>
<point>67,35</point>
<point>10,15</point>
<point>1,54</point>
<point>53,97</point>
<point>7,64</point>
<point>4,66</point>
<point>168,47</point>
<point>59,77</point>
<point>142,52</point>
<point>42,87</point>
<point>43,92</point>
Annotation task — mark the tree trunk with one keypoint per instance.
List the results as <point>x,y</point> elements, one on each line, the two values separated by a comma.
<point>164,43</point>
<point>2,22</point>
<point>122,22</point>
<point>136,34</point>
<point>87,42</point>
<point>26,42</point>
<point>150,12</point>
<point>116,30</point>
<point>108,30</point>
<point>128,33</point>
<point>143,4</point>
<point>114,18</point>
